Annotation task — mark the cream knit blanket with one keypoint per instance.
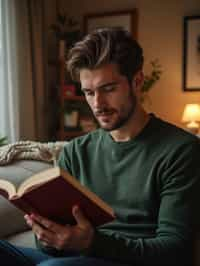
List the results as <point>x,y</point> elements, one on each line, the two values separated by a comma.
<point>31,150</point>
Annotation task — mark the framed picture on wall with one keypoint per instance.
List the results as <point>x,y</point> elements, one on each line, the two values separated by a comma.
<point>191,53</point>
<point>127,19</point>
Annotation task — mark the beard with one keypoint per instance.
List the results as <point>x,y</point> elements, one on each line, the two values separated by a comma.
<point>123,114</point>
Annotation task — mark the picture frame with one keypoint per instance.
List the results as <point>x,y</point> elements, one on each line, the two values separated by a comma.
<point>127,19</point>
<point>191,53</point>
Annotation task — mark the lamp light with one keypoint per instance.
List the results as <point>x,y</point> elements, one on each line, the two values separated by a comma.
<point>191,116</point>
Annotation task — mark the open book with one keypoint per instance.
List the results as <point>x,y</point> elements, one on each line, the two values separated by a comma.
<point>52,193</point>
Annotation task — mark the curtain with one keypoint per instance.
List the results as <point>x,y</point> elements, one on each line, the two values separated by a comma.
<point>9,79</point>
<point>23,90</point>
<point>36,23</point>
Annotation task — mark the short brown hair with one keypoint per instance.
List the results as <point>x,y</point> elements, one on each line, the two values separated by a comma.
<point>104,46</point>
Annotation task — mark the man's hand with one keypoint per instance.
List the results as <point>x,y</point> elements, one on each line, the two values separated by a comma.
<point>63,237</point>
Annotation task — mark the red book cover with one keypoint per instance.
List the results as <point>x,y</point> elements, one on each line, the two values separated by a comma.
<point>55,198</point>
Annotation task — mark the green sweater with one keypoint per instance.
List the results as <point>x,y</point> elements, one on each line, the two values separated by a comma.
<point>152,183</point>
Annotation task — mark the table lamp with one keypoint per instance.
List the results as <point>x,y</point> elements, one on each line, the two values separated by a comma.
<point>191,116</point>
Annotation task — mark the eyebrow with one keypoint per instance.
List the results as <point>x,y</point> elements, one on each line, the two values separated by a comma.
<point>102,86</point>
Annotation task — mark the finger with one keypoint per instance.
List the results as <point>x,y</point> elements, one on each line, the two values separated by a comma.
<point>45,244</point>
<point>50,225</point>
<point>37,229</point>
<point>42,234</point>
<point>81,220</point>
<point>28,220</point>
<point>48,238</point>
<point>26,216</point>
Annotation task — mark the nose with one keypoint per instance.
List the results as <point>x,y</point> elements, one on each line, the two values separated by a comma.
<point>99,100</point>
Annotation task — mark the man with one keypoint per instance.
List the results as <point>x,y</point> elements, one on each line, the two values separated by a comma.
<point>145,168</point>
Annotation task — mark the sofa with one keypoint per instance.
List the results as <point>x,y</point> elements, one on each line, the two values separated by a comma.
<point>13,227</point>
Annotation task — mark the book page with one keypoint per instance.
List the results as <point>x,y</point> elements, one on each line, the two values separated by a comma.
<point>38,179</point>
<point>8,188</point>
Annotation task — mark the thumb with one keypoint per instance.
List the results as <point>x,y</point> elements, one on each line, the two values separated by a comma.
<point>81,220</point>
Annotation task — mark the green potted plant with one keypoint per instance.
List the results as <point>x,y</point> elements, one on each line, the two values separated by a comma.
<point>3,141</point>
<point>66,30</point>
<point>151,79</point>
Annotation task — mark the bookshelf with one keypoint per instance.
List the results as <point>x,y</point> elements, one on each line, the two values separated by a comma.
<point>76,118</point>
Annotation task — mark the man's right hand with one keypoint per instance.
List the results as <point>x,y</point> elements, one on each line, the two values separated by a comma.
<point>63,237</point>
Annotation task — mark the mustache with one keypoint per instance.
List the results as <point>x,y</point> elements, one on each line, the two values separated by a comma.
<point>104,111</point>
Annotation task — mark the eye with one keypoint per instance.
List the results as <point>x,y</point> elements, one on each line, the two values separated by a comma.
<point>88,93</point>
<point>110,88</point>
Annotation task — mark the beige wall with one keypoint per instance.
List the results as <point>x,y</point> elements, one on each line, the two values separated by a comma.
<point>160,34</point>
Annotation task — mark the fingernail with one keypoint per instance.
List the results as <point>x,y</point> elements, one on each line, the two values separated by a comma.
<point>26,216</point>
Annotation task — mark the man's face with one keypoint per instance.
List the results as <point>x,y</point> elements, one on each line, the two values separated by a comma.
<point>109,95</point>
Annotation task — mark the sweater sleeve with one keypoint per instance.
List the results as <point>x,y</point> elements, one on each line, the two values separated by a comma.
<point>177,219</point>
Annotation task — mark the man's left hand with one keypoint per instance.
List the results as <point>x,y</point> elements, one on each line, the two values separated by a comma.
<point>63,237</point>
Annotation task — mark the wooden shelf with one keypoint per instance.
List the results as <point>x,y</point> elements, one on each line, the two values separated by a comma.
<point>74,98</point>
<point>76,101</point>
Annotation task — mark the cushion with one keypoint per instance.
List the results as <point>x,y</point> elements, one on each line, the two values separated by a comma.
<point>24,239</point>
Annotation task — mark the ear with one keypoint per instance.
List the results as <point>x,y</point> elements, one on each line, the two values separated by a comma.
<point>138,79</point>
<point>137,82</point>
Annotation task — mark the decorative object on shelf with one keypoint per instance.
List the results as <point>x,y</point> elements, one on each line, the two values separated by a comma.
<point>191,116</point>
<point>67,31</point>
<point>71,115</point>
<point>71,119</point>
<point>3,141</point>
<point>191,53</point>
<point>151,79</point>
<point>69,90</point>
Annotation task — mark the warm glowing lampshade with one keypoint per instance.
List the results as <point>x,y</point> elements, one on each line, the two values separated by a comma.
<point>191,116</point>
